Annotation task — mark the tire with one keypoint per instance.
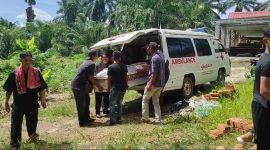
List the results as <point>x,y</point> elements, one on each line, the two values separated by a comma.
<point>188,87</point>
<point>221,77</point>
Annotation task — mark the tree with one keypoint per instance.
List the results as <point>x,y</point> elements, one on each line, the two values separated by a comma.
<point>240,5</point>
<point>263,6</point>
<point>98,10</point>
<point>29,11</point>
<point>69,10</point>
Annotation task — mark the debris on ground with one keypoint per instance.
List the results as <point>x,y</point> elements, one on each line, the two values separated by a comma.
<point>241,126</point>
<point>217,94</point>
<point>201,106</point>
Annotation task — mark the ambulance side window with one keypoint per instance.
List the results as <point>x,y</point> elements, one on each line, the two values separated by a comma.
<point>203,47</point>
<point>180,47</point>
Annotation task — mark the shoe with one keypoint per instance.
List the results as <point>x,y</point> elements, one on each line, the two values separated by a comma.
<point>248,137</point>
<point>33,138</point>
<point>98,116</point>
<point>158,122</point>
<point>120,120</point>
<point>112,123</point>
<point>91,120</point>
<point>145,120</point>
<point>87,124</point>
<point>254,147</point>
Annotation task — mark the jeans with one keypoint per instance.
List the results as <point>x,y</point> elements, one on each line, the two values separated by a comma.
<point>155,94</point>
<point>82,99</point>
<point>31,116</point>
<point>116,99</point>
<point>102,96</point>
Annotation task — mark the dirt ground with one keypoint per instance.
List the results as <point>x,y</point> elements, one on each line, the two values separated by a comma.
<point>100,132</point>
<point>238,69</point>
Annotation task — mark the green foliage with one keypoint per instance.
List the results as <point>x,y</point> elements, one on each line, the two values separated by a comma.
<point>28,45</point>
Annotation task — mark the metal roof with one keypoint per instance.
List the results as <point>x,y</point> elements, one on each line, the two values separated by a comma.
<point>253,14</point>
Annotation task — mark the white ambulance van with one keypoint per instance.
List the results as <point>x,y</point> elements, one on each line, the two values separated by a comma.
<point>194,57</point>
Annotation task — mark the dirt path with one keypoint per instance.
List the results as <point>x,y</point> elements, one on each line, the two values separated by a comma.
<point>238,69</point>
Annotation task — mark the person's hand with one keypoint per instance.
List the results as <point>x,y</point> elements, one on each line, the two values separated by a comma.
<point>7,107</point>
<point>43,103</point>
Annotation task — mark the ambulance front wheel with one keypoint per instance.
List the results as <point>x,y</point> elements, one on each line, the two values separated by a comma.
<point>188,87</point>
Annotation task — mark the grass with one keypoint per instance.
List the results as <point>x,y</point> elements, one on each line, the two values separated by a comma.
<point>177,133</point>
<point>191,133</point>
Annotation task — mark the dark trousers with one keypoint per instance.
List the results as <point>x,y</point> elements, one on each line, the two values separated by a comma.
<point>261,121</point>
<point>82,99</point>
<point>31,116</point>
<point>102,96</point>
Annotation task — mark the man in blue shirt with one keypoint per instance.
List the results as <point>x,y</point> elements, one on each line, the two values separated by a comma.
<point>155,83</point>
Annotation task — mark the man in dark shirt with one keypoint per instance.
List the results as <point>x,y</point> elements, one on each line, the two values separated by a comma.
<point>261,100</point>
<point>117,83</point>
<point>81,84</point>
<point>25,83</point>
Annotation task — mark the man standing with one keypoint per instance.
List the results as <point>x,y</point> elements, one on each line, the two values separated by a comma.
<point>155,83</point>
<point>25,83</point>
<point>81,84</point>
<point>117,83</point>
<point>261,100</point>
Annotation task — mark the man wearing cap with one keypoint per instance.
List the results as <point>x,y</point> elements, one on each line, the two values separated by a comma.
<point>155,83</point>
<point>261,99</point>
<point>81,85</point>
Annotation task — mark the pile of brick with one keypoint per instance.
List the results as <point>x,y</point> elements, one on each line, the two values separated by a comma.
<point>220,131</point>
<point>216,94</point>
<point>241,126</point>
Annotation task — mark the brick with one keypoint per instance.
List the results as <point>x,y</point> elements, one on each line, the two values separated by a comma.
<point>214,95</point>
<point>230,87</point>
<point>214,137</point>
<point>214,98</point>
<point>220,148</point>
<point>224,128</point>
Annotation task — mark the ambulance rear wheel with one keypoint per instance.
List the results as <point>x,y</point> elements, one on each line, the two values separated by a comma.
<point>188,87</point>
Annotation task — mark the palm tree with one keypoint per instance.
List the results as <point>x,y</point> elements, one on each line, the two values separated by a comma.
<point>240,5</point>
<point>69,10</point>
<point>29,11</point>
<point>98,10</point>
<point>263,6</point>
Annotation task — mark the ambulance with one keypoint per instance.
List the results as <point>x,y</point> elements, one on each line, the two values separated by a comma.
<point>194,58</point>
